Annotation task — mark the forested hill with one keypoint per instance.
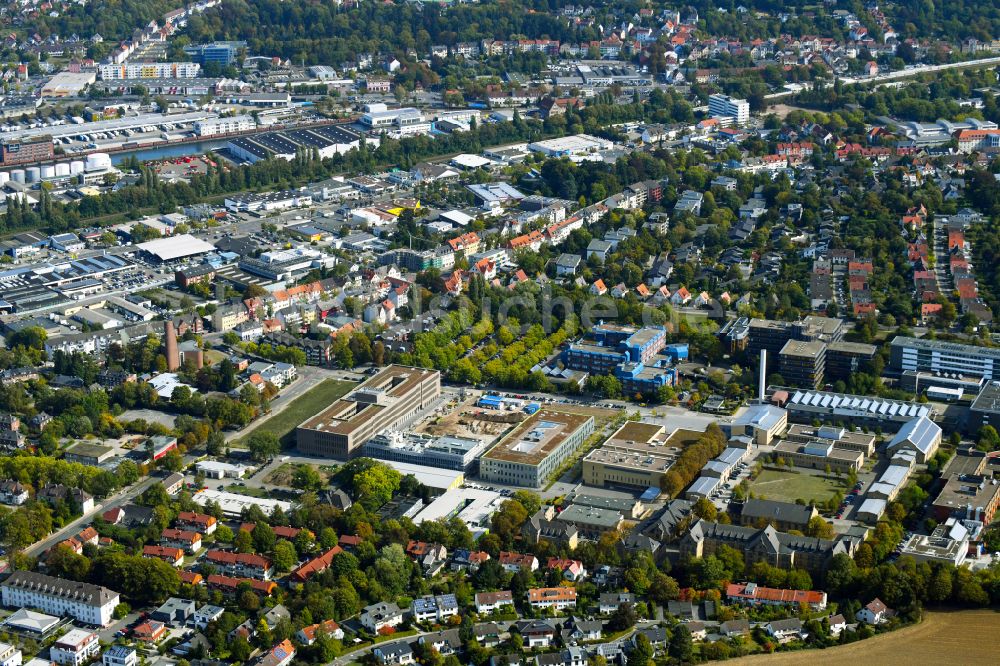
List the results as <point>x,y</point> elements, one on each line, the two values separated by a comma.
<point>323,33</point>
<point>114,20</point>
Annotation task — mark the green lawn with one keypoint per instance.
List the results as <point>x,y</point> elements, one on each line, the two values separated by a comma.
<point>308,404</point>
<point>790,486</point>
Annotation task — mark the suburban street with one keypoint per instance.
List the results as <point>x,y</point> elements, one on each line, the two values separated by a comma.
<point>122,497</point>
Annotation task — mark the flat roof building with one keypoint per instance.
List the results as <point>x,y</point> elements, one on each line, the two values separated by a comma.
<point>985,409</point>
<point>395,395</point>
<point>841,438</point>
<point>175,247</point>
<point>907,353</point>
<point>969,497</point>
<point>818,455</point>
<point>450,452</point>
<point>536,448</point>
<point>636,455</point>
<point>803,362</point>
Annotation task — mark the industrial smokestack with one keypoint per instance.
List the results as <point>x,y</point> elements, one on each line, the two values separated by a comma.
<point>170,346</point>
<point>762,383</point>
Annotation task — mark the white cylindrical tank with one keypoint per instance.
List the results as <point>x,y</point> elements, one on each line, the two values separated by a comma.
<point>76,167</point>
<point>98,162</point>
<point>62,169</point>
<point>17,175</point>
<point>48,172</point>
<point>32,174</point>
<point>4,178</point>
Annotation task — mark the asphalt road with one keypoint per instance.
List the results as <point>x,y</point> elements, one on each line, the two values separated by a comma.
<point>122,497</point>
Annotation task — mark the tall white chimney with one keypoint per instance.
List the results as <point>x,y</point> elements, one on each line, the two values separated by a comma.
<point>763,375</point>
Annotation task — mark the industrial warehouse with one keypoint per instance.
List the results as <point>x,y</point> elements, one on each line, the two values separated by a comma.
<point>327,140</point>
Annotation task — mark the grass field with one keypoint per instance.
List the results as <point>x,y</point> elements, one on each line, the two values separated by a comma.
<point>961,637</point>
<point>789,486</point>
<point>308,404</point>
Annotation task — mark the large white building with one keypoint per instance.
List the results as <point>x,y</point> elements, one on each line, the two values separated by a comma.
<point>75,648</point>
<point>90,604</point>
<point>724,106</point>
<point>404,121</point>
<point>150,70</point>
<point>225,125</point>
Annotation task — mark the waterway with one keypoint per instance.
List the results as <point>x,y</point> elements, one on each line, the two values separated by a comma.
<point>168,150</point>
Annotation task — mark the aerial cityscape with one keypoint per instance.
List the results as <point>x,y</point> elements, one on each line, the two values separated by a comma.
<point>499,332</point>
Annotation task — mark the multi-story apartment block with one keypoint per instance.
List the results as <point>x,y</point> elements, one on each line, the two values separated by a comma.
<point>197,522</point>
<point>75,648</point>
<point>150,70</point>
<point>245,565</point>
<point>90,604</point>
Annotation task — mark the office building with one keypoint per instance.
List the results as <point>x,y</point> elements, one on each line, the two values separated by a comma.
<point>223,53</point>
<point>396,395</point>
<point>629,353</point>
<point>985,409</point>
<point>36,149</point>
<point>761,423</point>
<point>968,497</point>
<point>224,125</point>
<point>845,358</point>
<point>802,363</point>
<point>841,438</point>
<point>819,454</point>
<point>636,456</point>
<point>404,121</point>
<point>944,357</point>
<point>949,542</point>
<point>449,452</point>
<point>754,335</point>
<point>90,604</point>
<point>724,106</point>
<point>536,448</point>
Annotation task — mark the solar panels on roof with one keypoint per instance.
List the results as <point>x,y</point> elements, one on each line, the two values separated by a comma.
<point>825,402</point>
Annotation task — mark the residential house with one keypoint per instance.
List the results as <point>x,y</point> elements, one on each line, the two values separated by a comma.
<point>489,602</point>
<point>378,616</point>
<point>874,612</point>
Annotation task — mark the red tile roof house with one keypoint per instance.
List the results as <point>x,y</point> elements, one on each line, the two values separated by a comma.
<point>754,595</point>
<point>150,631</point>
<point>199,522</point>
<point>308,635</point>
<point>572,570</point>
<point>189,540</point>
<point>516,561</point>
<point>229,585</point>
<point>316,565</point>
<point>279,655</point>
<point>172,556</point>
<point>248,565</point>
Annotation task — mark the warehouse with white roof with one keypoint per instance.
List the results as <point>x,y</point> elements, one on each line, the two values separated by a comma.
<point>174,248</point>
